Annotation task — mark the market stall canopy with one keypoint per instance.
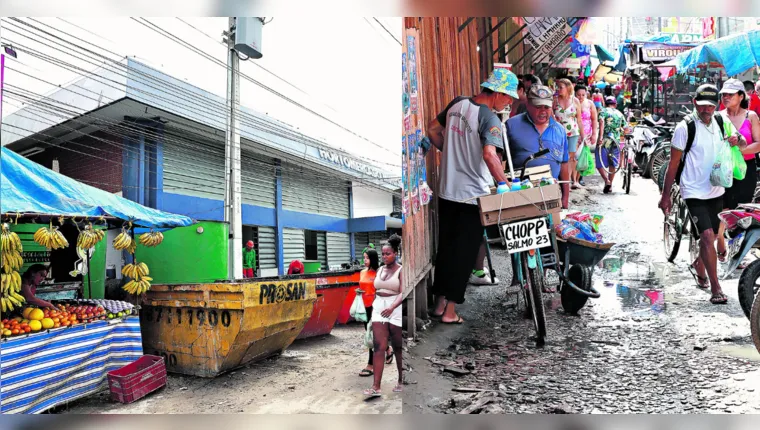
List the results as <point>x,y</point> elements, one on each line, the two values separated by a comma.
<point>27,187</point>
<point>736,53</point>
<point>603,54</point>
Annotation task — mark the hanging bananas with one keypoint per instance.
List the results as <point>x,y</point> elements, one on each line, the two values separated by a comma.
<point>50,237</point>
<point>11,261</point>
<point>11,302</point>
<point>123,241</point>
<point>140,282</point>
<point>9,240</point>
<point>89,237</point>
<point>154,238</point>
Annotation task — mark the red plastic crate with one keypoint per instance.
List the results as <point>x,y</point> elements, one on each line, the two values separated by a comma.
<point>138,379</point>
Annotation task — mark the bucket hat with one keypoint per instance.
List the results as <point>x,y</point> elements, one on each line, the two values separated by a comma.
<point>502,81</point>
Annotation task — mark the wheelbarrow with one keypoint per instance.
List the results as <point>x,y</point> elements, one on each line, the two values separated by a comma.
<point>577,260</point>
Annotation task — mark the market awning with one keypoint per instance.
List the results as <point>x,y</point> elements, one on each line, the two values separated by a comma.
<point>603,54</point>
<point>27,187</point>
<point>736,53</point>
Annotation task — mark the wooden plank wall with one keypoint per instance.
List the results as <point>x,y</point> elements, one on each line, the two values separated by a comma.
<point>448,66</point>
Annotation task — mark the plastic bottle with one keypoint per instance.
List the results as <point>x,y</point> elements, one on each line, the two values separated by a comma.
<point>502,188</point>
<point>516,185</point>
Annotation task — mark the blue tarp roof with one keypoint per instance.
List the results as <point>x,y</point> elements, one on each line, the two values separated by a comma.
<point>737,53</point>
<point>603,54</point>
<point>27,187</point>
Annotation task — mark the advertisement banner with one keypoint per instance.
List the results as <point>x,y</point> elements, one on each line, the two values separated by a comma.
<point>544,33</point>
<point>662,51</point>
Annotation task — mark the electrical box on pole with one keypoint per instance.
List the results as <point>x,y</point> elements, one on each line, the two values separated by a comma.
<point>248,36</point>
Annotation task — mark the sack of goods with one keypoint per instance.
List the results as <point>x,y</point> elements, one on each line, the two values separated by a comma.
<point>581,226</point>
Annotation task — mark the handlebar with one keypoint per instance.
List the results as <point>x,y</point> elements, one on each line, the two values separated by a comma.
<point>538,154</point>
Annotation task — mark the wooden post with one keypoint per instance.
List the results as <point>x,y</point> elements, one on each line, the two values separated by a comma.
<point>411,315</point>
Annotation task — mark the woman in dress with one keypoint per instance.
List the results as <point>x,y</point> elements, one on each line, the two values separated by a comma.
<point>567,111</point>
<point>386,315</point>
<point>735,100</point>
<point>590,127</point>
<point>367,286</point>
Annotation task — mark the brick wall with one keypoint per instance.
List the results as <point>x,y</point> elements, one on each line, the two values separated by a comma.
<point>95,160</point>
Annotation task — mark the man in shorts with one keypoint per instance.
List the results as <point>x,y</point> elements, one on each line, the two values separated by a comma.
<point>611,129</point>
<point>704,200</point>
<point>469,135</point>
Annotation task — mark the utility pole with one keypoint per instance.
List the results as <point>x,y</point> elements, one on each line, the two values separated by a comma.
<point>232,191</point>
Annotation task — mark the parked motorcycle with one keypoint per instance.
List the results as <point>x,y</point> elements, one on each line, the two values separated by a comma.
<point>743,235</point>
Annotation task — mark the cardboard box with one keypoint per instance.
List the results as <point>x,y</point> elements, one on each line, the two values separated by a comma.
<point>519,205</point>
<point>534,173</point>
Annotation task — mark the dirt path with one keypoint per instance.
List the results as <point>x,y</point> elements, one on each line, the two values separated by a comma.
<point>314,376</point>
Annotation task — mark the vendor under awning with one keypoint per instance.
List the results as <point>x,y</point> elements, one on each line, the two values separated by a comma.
<point>31,279</point>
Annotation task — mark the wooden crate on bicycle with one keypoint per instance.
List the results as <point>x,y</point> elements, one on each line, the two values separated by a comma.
<point>520,205</point>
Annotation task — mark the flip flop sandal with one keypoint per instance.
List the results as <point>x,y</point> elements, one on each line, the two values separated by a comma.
<point>702,282</point>
<point>388,357</point>
<point>371,392</point>
<point>722,256</point>
<point>366,372</point>
<point>398,389</point>
<point>458,321</point>
<point>719,299</point>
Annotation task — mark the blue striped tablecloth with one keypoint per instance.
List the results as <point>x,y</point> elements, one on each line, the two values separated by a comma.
<point>44,370</point>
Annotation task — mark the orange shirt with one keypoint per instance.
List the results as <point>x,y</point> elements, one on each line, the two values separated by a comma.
<point>367,284</point>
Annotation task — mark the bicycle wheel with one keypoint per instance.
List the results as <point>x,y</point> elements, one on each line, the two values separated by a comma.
<point>628,176</point>
<point>535,282</point>
<point>673,226</point>
<point>661,177</point>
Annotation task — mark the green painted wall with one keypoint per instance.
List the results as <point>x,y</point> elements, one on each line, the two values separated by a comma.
<point>33,253</point>
<point>185,256</point>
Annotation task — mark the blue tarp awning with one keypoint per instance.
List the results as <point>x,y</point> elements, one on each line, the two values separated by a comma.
<point>27,187</point>
<point>603,54</point>
<point>736,53</point>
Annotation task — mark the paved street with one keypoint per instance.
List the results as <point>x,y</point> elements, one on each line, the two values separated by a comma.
<point>651,344</point>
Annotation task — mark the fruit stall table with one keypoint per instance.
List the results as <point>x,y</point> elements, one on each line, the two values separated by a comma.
<point>46,369</point>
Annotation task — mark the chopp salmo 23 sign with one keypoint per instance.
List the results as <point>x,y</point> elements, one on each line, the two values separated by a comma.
<point>526,235</point>
<point>285,291</point>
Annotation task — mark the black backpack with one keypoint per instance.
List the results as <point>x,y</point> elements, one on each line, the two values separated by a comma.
<point>691,128</point>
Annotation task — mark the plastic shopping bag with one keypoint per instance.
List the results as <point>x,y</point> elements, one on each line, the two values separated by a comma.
<point>358,311</point>
<point>740,166</point>
<point>722,174</point>
<point>582,160</point>
<point>369,338</point>
<point>591,163</point>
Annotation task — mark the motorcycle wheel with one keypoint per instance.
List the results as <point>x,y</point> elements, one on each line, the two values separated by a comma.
<point>748,287</point>
<point>754,323</point>
<point>660,157</point>
<point>661,177</point>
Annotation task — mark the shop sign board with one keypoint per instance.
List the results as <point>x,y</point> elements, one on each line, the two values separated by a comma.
<point>349,163</point>
<point>544,33</point>
<point>662,51</point>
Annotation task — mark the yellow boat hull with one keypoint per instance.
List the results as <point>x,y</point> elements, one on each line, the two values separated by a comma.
<point>208,329</point>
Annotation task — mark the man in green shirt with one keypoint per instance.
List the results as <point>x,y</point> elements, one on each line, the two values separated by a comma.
<point>249,260</point>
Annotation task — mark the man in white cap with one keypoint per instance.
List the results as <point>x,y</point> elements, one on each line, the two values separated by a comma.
<point>696,141</point>
<point>469,135</point>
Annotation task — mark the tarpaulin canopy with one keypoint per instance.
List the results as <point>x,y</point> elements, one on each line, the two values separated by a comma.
<point>27,187</point>
<point>736,53</point>
<point>603,54</point>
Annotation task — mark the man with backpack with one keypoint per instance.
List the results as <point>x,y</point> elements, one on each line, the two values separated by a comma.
<point>696,142</point>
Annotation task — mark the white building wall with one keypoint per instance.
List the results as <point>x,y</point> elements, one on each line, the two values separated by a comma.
<point>371,202</point>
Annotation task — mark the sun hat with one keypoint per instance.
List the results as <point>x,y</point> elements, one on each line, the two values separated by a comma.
<point>502,81</point>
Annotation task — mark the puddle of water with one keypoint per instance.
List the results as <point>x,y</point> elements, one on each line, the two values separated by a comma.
<point>636,298</point>
<point>746,352</point>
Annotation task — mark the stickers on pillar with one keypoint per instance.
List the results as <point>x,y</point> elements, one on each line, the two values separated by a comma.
<point>412,73</point>
<point>405,102</point>
<point>414,172</point>
<point>405,185</point>
<point>425,192</point>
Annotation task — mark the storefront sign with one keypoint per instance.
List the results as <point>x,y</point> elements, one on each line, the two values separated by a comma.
<point>350,163</point>
<point>571,63</point>
<point>686,38</point>
<point>662,51</point>
<point>544,33</point>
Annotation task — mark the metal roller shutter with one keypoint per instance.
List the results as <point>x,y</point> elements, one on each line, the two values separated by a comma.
<point>257,178</point>
<point>377,237</point>
<point>338,248</point>
<point>195,172</point>
<point>305,190</point>
<point>361,240</point>
<point>267,248</point>
<point>293,245</point>
<point>322,249</point>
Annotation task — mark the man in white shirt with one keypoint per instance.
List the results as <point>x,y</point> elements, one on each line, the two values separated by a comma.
<point>693,162</point>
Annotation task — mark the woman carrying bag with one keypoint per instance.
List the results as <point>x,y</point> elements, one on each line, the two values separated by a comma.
<point>367,288</point>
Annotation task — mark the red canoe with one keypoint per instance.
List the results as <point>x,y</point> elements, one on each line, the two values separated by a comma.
<point>332,290</point>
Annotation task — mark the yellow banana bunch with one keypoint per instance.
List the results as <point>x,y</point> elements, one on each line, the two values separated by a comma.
<point>11,302</point>
<point>50,238</point>
<point>11,261</point>
<point>11,283</point>
<point>123,241</point>
<point>9,240</point>
<point>154,238</point>
<point>135,271</point>
<point>138,287</point>
<point>89,237</point>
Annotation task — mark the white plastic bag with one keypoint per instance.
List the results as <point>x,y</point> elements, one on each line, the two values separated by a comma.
<point>358,311</point>
<point>369,337</point>
<point>722,174</point>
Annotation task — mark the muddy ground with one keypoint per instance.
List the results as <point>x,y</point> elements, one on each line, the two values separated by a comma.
<point>651,344</point>
<point>313,376</point>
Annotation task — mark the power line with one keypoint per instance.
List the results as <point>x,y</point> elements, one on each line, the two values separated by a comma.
<point>387,31</point>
